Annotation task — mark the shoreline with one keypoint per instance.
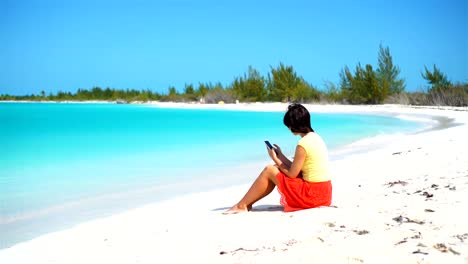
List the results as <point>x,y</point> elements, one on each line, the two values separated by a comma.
<point>164,222</point>
<point>261,106</point>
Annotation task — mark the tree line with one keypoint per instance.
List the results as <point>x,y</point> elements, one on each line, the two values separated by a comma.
<point>364,85</point>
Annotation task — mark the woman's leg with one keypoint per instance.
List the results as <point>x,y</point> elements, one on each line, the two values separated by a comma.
<point>262,186</point>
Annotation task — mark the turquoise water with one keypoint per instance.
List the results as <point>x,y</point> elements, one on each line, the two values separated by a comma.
<point>59,162</point>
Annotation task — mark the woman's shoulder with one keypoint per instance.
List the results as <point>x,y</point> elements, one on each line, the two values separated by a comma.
<point>312,136</point>
<point>305,139</point>
<point>311,139</point>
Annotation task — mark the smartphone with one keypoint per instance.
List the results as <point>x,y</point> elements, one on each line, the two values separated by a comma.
<point>268,144</point>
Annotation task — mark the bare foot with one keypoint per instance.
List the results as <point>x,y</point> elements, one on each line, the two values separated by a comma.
<point>236,209</point>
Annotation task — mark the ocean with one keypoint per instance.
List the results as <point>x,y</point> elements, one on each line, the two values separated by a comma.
<point>61,163</point>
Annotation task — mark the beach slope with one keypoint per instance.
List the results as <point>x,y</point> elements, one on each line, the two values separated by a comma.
<point>404,201</point>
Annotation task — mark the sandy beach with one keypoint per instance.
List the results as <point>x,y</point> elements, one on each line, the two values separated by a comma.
<point>400,199</point>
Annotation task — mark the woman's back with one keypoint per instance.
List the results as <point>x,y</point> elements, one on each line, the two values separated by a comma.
<point>315,168</point>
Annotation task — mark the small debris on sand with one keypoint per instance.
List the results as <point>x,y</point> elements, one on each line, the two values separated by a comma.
<point>237,250</point>
<point>428,195</point>
<point>391,184</point>
<point>444,249</point>
<point>361,232</point>
<point>462,237</point>
<point>401,242</point>
<point>403,219</point>
<point>420,252</point>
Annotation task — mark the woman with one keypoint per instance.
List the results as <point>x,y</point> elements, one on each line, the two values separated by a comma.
<point>302,183</point>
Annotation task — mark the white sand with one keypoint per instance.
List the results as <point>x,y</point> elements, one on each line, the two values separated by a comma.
<point>403,202</point>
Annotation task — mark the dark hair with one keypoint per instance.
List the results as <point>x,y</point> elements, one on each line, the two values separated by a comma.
<point>297,118</point>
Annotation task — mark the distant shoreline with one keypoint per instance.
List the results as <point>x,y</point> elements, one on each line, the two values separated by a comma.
<point>260,105</point>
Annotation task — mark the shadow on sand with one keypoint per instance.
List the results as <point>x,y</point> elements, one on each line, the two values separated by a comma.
<point>259,208</point>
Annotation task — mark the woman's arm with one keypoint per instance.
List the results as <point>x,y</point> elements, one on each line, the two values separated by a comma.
<point>295,168</point>
<point>282,157</point>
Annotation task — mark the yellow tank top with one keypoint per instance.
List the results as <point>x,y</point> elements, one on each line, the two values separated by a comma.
<point>315,168</point>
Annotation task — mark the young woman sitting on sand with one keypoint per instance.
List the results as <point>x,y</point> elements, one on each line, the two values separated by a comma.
<point>302,183</point>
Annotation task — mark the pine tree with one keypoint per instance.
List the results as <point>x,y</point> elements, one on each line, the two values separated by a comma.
<point>251,87</point>
<point>387,74</point>
<point>437,79</point>
<point>282,83</point>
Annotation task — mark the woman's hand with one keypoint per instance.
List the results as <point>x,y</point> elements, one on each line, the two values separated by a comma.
<point>279,153</point>
<point>281,157</point>
<point>275,153</point>
<point>272,153</point>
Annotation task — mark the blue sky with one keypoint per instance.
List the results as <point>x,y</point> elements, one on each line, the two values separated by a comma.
<point>66,45</point>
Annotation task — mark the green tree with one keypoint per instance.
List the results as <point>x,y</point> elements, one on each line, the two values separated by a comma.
<point>118,95</point>
<point>282,83</point>
<point>189,92</point>
<point>83,94</point>
<point>144,96</point>
<point>332,92</point>
<point>346,78</point>
<point>251,87</point>
<point>362,87</point>
<point>172,94</point>
<point>375,93</point>
<point>387,74</point>
<point>437,79</point>
<point>238,87</point>
<point>189,89</point>
<point>97,93</point>
<point>107,94</point>
<point>305,92</point>
<point>202,91</point>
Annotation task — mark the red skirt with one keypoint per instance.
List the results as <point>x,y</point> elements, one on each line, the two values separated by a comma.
<point>297,194</point>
